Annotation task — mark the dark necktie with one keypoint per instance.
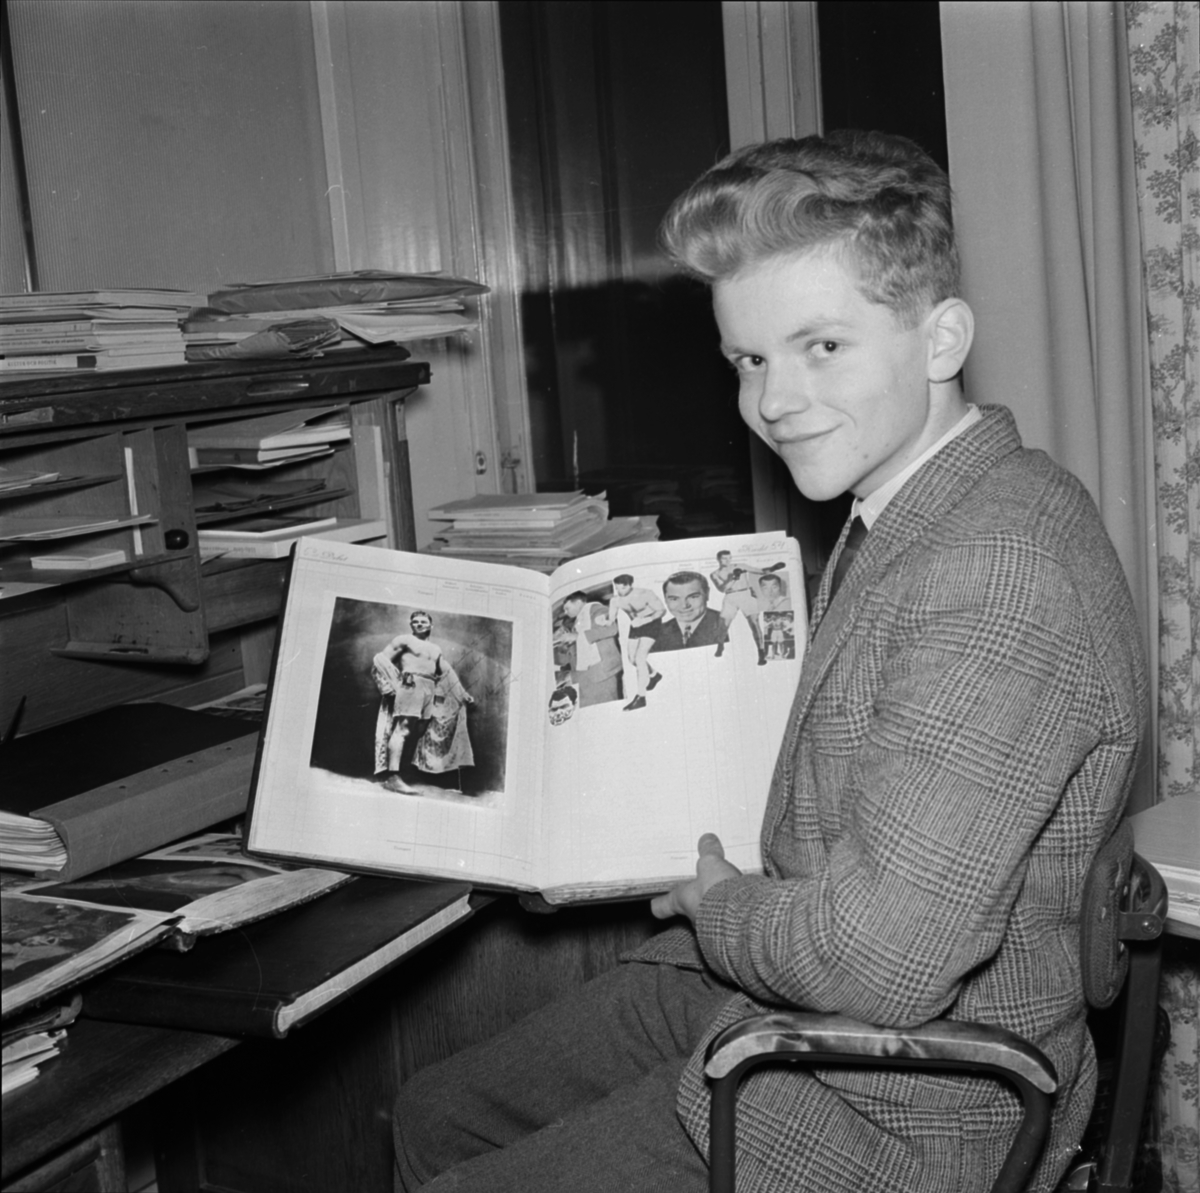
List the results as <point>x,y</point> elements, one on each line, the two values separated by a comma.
<point>858,532</point>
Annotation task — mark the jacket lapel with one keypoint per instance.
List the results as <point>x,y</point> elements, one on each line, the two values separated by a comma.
<point>935,488</point>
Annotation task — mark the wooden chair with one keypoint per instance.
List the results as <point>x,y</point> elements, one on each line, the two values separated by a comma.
<point>1124,908</point>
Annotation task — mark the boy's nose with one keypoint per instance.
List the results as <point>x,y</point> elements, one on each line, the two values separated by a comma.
<point>783,392</point>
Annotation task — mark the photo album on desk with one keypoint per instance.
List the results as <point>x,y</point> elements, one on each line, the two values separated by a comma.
<point>571,734</point>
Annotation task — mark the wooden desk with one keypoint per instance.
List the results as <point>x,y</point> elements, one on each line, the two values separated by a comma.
<point>167,622</point>
<point>103,1070</point>
<point>312,1112</point>
<point>1168,836</point>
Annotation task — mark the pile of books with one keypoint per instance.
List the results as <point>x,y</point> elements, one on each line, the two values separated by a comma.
<point>268,440</point>
<point>93,329</point>
<point>270,536</point>
<point>254,445</point>
<point>534,530</point>
<point>371,305</point>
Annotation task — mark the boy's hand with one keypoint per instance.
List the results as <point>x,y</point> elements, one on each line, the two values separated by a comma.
<point>684,898</point>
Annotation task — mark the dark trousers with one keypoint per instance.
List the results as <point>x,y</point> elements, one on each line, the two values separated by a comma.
<point>578,1097</point>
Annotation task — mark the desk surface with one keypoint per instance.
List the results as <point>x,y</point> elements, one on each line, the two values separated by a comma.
<point>103,1069</point>
<point>1168,836</point>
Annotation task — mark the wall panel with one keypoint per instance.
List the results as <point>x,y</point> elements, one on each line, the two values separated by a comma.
<point>171,143</point>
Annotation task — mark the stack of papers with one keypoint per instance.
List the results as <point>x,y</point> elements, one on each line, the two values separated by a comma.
<point>271,536</point>
<point>372,306</point>
<point>93,330</point>
<point>17,528</point>
<point>34,1039</point>
<point>30,844</point>
<point>24,478</point>
<point>534,530</point>
<point>269,440</point>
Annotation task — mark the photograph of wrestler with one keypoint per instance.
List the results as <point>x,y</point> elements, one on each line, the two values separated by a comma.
<point>159,885</point>
<point>563,702</point>
<point>422,718</point>
<point>37,936</point>
<point>737,582</point>
<point>587,649</point>
<point>780,634</point>
<point>692,623</point>
<point>645,611</point>
<point>415,700</point>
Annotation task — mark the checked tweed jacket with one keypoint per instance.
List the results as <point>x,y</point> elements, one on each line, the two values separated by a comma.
<point>962,741</point>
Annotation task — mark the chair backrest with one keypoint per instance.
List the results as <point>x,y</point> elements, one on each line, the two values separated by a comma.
<point>1103,958</point>
<point>1123,914</point>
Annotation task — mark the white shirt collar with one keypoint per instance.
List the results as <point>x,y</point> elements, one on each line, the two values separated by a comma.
<point>870,507</point>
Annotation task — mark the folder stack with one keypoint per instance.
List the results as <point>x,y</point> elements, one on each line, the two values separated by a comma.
<point>533,530</point>
<point>93,330</point>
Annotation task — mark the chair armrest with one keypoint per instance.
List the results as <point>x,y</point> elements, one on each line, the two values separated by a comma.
<point>943,1043</point>
<point>826,1040</point>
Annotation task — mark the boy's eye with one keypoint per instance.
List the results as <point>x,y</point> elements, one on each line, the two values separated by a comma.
<point>747,363</point>
<point>826,347</point>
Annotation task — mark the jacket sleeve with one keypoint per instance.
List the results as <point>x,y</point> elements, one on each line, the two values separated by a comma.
<point>908,800</point>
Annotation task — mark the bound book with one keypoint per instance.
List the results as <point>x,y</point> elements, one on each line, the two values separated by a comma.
<point>571,734</point>
<point>287,429</point>
<point>277,543</point>
<point>81,796</point>
<point>58,934</point>
<point>279,973</point>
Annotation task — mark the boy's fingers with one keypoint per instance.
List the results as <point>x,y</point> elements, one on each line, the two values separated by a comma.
<point>710,846</point>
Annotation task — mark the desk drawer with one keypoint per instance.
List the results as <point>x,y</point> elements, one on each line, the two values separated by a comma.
<point>238,593</point>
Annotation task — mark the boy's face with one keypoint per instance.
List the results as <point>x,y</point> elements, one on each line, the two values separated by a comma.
<point>829,380</point>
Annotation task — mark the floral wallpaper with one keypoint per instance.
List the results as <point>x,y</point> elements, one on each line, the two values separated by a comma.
<point>1164,60</point>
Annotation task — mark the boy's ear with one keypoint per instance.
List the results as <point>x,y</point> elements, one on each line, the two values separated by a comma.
<point>951,330</point>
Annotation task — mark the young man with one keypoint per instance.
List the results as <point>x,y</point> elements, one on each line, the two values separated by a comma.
<point>645,612</point>
<point>962,740</point>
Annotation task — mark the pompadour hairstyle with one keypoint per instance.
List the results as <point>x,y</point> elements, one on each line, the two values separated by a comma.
<point>879,198</point>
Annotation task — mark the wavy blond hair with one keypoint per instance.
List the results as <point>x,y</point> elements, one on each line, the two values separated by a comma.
<point>879,199</point>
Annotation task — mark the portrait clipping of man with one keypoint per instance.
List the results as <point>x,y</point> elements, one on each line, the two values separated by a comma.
<point>692,623</point>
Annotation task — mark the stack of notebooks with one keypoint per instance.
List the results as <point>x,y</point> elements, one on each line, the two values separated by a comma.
<point>92,330</point>
<point>270,536</point>
<point>371,306</point>
<point>269,439</point>
<point>534,530</point>
<point>272,441</point>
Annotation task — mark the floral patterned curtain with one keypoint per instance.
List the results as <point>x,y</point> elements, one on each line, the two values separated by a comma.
<point>1164,49</point>
<point>1164,54</point>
